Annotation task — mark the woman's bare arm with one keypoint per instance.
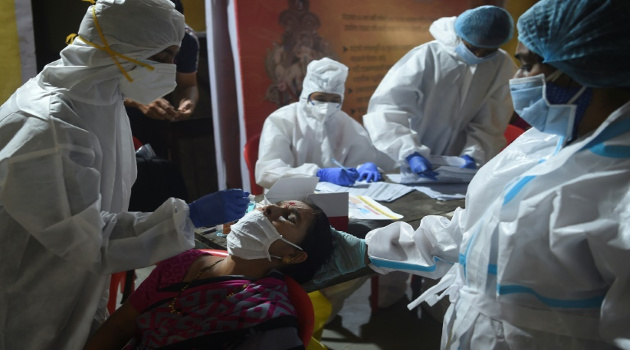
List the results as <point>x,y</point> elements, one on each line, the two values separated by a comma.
<point>117,330</point>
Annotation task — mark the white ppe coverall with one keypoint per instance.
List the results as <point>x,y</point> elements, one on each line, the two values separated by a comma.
<point>67,165</point>
<point>540,257</point>
<point>296,143</point>
<point>434,103</point>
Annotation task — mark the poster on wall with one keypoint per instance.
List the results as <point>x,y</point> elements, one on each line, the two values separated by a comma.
<point>277,39</point>
<point>273,41</point>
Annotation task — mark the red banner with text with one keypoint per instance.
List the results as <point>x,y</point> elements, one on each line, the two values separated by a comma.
<point>276,40</point>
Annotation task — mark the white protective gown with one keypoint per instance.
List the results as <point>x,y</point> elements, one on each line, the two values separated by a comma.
<point>433,103</point>
<point>67,164</point>
<point>295,143</point>
<point>540,257</point>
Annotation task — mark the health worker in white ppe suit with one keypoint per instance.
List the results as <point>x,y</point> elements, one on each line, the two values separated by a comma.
<point>449,96</point>
<point>303,138</point>
<point>540,257</point>
<point>66,168</point>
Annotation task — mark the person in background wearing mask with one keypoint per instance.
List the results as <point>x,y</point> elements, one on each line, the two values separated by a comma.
<point>202,295</point>
<point>150,120</point>
<point>67,165</point>
<point>540,257</point>
<point>308,137</point>
<point>448,96</point>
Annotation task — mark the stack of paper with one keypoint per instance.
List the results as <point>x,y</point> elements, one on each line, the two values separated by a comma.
<point>452,181</point>
<point>435,189</point>
<point>379,191</point>
<point>449,170</point>
<point>446,174</point>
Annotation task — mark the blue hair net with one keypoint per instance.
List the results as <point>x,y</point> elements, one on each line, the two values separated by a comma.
<point>485,26</point>
<point>586,39</point>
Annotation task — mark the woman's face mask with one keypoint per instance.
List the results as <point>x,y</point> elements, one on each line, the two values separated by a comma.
<point>469,57</point>
<point>548,107</point>
<point>251,237</point>
<point>149,85</point>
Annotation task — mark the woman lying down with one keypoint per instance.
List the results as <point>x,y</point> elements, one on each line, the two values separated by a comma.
<point>196,300</point>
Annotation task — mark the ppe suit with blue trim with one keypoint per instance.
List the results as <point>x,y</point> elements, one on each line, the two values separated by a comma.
<point>296,142</point>
<point>67,165</point>
<point>434,103</point>
<point>540,257</point>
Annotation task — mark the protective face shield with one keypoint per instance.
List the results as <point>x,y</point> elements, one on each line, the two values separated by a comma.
<point>530,96</point>
<point>469,57</point>
<point>148,85</point>
<point>323,110</point>
<point>251,237</point>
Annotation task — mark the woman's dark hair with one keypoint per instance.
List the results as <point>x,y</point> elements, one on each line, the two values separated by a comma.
<point>318,244</point>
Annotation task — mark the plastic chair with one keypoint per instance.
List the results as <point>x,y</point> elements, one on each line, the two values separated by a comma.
<point>299,298</point>
<point>136,143</point>
<point>250,152</point>
<point>511,133</point>
<point>123,282</point>
<point>304,309</point>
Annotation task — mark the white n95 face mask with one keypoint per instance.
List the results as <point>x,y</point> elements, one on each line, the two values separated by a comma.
<point>251,237</point>
<point>149,85</point>
<point>323,110</point>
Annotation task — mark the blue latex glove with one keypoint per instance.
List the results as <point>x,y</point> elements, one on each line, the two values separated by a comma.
<point>368,171</point>
<point>421,166</point>
<point>348,256</point>
<point>470,162</point>
<point>219,207</point>
<point>338,176</point>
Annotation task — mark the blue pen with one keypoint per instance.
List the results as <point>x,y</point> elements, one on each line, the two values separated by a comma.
<point>339,164</point>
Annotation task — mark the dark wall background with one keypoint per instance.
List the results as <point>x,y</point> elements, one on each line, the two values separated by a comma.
<point>53,22</point>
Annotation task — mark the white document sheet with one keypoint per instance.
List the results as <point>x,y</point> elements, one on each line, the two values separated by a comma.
<point>366,208</point>
<point>379,191</point>
<point>289,188</point>
<point>443,191</point>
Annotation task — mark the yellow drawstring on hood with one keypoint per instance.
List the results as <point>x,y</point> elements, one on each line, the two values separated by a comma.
<point>70,39</point>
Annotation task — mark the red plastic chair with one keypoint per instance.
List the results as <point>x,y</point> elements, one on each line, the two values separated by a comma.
<point>136,143</point>
<point>299,298</point>
<point>117,283</point>
<point>304,309</point>
<point>250,152</point>
<point>512,132</point>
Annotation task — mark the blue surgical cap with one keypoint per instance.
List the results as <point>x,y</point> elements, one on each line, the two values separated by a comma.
<point>485,26</point>
<point>586,39</point>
